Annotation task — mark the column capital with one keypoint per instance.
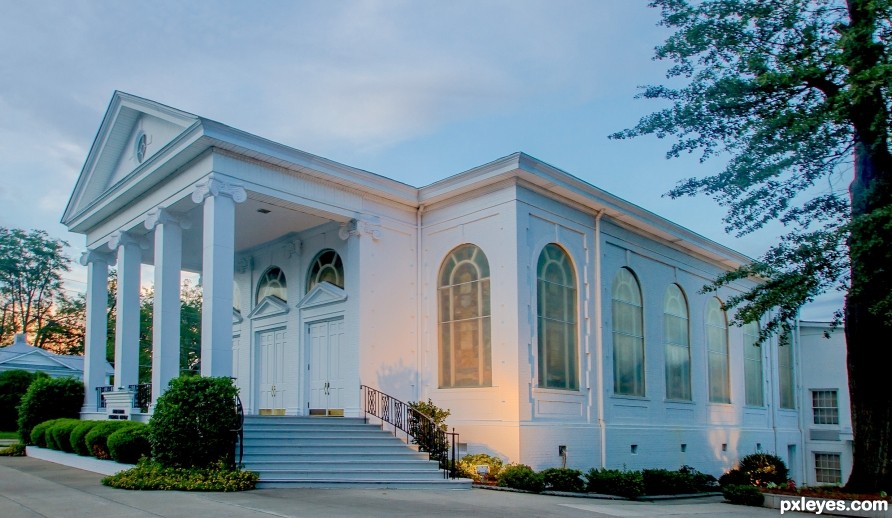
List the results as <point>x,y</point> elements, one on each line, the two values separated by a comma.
<point>216,187</point>
<point>162,216</point>
<point>96,256</point>
<point>124,238</point>
<point>367,225</point>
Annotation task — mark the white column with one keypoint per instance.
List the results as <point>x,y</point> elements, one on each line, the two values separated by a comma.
<point>217,273</point>
<point>127,326</point>
<point>97,264</point>
<point>166,314</point>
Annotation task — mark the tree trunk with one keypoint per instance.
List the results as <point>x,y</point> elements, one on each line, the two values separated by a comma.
<point>867,329</point>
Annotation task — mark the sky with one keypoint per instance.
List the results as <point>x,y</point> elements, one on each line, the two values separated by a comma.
<point>412,90</point>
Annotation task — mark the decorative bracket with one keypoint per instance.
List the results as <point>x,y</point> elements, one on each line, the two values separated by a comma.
<point>162,216</point>
<point>215,187</point>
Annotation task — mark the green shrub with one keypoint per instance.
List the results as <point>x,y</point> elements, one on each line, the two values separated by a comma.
<point>563,479</point>
<point>129,444</point>
<point>666,482</point>
<point>49,398</point>
<point>702,482</point>
<point>764,469</point>
<point>97,438</point>
<point>629,484</point>
<point>194,422</point>
<point>152,476</point>
<point>521,476</point>
<point>37,436</point>
<point>58,437</point>
<point>467,467</point>
<point>735,477</point>
<point>13,385</point>
<point>743,495</point>
<point>13,450</point>
<point>79,435</point>
<point>427,439</point>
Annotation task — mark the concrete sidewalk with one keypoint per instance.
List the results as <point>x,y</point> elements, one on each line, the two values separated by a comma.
<point>32,488</point>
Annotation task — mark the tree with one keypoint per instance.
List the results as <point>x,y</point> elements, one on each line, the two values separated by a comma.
<point>31,268</point>
<point>797,93</point>
<point>190,327</point>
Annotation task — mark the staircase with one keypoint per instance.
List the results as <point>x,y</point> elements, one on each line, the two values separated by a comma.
<point>336,452</point>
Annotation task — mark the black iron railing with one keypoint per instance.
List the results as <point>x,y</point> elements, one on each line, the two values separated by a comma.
<point>240,430</point>
<point>100,396</point>
<point>419,428</point>
<point>142,395</point>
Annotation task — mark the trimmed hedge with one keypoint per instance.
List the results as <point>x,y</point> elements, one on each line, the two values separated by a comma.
<point>38,434</point>
<point>521,476</point>
<point>97,438</point>
<point>78,437</point>
<point>563,479</point>
<point>49,398</point>
<point>58,437</point>
<point>629,484</point>
<point>130,443</point>
<point>193,423</point>
<point>743,495</point>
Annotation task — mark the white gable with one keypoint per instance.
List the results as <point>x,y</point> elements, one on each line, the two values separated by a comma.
<point>148,135</point>
<point>132,132</point>
<point>269,306</point>
<point>322,294</point>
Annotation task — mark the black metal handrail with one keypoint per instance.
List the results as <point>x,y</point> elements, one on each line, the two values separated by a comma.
<point>420,428</point>
<point>240,430</point>
<point>142,395</point>
<point>100,395</point>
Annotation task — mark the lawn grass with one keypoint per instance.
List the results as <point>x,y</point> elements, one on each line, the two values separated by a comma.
<point>9,435</point>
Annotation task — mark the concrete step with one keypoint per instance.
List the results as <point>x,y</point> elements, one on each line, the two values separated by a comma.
<point>344,465</point>
<point>442,484</point>
<point>288,451</point>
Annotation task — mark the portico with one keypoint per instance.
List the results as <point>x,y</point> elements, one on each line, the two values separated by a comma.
<point>184,194</point>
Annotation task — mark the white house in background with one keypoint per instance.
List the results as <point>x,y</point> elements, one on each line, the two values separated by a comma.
<point>826,410</point>
<point>541,310</point>
<point>21,356</point>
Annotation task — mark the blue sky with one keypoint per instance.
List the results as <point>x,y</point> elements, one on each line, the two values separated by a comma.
<point>412,90</point>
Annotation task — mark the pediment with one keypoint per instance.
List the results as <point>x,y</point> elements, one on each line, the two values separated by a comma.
<point>322,294</point>
<point>269,306</point>
<point>133,131</point>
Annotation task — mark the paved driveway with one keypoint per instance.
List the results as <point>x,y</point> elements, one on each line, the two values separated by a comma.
<point>32,488</point>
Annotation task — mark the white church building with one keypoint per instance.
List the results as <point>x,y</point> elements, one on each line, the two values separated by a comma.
<point>540,310</point>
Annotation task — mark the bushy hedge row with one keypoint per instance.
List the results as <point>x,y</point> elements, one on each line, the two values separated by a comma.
<point>188,445</point>
<point>629,484</point>
<point>122,441</point>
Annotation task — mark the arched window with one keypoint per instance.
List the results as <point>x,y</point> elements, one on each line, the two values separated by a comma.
<point>676,339</point>
<point>628,335</point>
<point>556,302</point>
<point>752,365</point>
<point>717,352</point>
<point>326,267</point>
<point>272,282</point>
<point>464,319</point>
